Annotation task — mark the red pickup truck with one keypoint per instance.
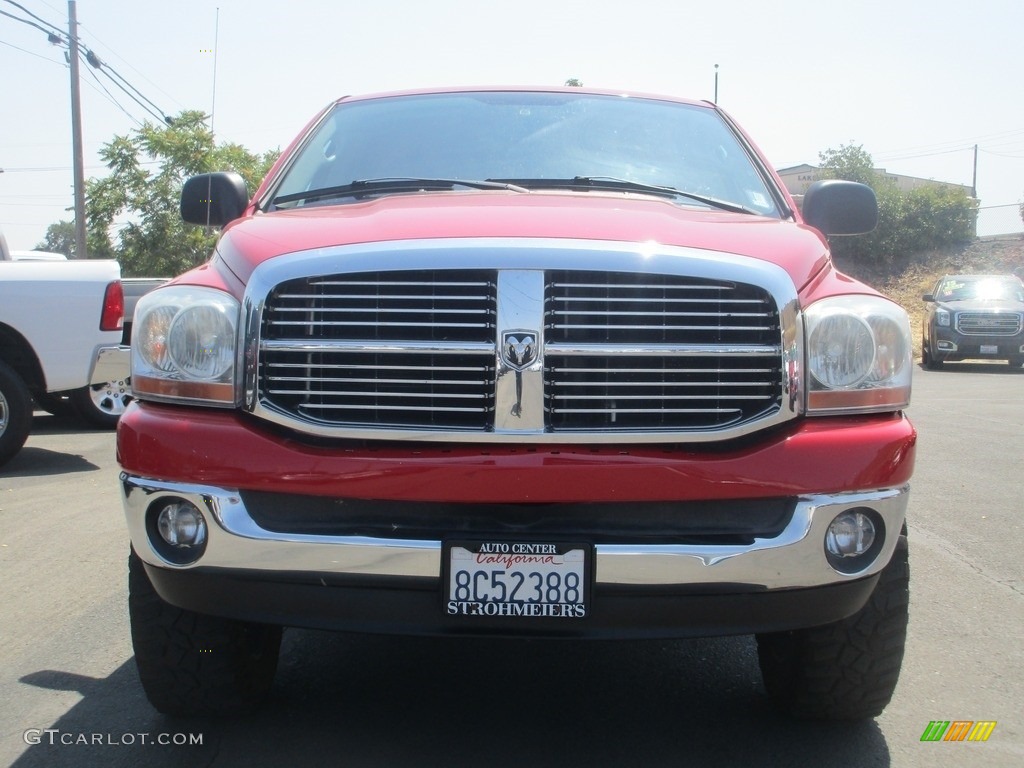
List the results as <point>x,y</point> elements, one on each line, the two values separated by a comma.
<point>520,362</point>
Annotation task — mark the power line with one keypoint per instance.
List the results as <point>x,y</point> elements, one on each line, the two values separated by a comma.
<point>890,158</point>
<point>46,168</point>
<point>57,37</point>
<point>1001,154</point>
<point>30,53</point>
<point>97,64</point>
<point>26,21</point>
<point>111,99</point>
<point>23,9</point>
<point>129,64</point>
<point>948,147</point>
<point>104,67</point>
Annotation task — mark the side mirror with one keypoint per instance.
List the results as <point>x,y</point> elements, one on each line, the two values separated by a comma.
<point>928,297</point>
<point>213,199</point>
<point>836,207</point>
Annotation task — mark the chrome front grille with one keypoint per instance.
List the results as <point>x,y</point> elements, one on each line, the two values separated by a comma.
<point>620,307</point>
<point>653,352</point>
<point>679,346</point>
<point>406,306</point>
<point>392,349</point>
<point>988,323</point>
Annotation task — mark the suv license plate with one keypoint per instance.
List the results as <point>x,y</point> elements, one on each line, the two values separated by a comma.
<point>990,349</point>
<point>524,579</point>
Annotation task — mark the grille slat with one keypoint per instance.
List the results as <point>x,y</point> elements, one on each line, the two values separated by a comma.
<point>409,408</point>
<point>365,323</point>
<point>667,340</point>
<point>382,350</point>
<point>612,327</point>
<point>634,411</point>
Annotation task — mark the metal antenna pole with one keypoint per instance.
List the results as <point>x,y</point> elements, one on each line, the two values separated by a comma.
<point>213,110</point>
<point>216,34</point>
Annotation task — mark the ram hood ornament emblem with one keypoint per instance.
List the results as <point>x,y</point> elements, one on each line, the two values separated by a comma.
<point>519,349</point>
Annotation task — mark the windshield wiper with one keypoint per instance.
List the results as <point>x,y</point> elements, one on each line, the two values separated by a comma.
<point>370,187</point>
<point>626,185</point>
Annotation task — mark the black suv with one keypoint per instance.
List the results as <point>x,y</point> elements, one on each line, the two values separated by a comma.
<point>974,317</point>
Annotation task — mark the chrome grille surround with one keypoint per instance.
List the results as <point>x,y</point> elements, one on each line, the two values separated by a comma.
<point>521,340</point>
<point>989,323</point>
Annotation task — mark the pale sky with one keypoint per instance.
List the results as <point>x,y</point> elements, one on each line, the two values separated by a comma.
<point>917,82</point>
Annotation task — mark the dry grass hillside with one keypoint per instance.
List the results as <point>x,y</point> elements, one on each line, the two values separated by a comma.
<point>989,255</point>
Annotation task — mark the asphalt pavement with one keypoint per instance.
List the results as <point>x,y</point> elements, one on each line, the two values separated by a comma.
<point>69,695</point>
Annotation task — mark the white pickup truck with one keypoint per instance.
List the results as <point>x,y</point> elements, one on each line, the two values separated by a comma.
<point>60,342</point>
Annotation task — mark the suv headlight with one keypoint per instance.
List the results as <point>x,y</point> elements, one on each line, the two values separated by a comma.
<point>858,355</point>
<point>183,346</point>
<point>942,317</point>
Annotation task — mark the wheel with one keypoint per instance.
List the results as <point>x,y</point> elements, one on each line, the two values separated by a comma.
<point>929,362</point>
<point>193,664</point>
<point>101,405</point>
<point>15,413</point>
<point>846,670</point>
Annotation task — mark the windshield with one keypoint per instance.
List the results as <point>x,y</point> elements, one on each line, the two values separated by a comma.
<point>989,288</point>
<point>530,140</point>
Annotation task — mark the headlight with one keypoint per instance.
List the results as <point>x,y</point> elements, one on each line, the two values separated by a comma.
<point>183,346</point>
<point>858,355</point>
<point>942,317</point>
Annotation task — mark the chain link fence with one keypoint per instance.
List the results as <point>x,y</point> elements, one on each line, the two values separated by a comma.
<point>1000,220</point>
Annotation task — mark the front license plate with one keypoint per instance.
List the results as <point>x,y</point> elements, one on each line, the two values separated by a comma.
<point>989,349</point>
<point>524,579</point>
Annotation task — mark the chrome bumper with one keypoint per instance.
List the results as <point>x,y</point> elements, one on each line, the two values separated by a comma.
<point>793,559</point>
<point>111,364</point>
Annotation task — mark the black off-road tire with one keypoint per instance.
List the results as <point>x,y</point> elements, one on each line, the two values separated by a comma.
<point>15,413</point>
<point>192,664</point>
<point>846,670</point>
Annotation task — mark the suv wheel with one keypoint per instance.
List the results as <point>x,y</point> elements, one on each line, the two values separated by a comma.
<point>929,362</point>
<point>193,664</point>
<point>846,670</point>
<point>15,413</point>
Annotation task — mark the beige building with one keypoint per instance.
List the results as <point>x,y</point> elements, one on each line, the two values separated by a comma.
<point>799,177</point>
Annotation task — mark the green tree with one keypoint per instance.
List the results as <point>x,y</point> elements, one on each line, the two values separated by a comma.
<point>574,82</point>
<point>133,214</point>
<point>849,162</point>
<point>60,238</point>
<point>928,217</point>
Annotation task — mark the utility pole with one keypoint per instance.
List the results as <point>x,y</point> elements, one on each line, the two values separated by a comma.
<point>716,83</point>
<point>76,135</point>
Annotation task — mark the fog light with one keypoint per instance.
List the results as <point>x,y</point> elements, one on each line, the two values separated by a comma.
<point>181,525</point>
<point>851,534</point>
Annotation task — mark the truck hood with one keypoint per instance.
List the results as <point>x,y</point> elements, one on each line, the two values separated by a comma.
<point>249,241</point>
